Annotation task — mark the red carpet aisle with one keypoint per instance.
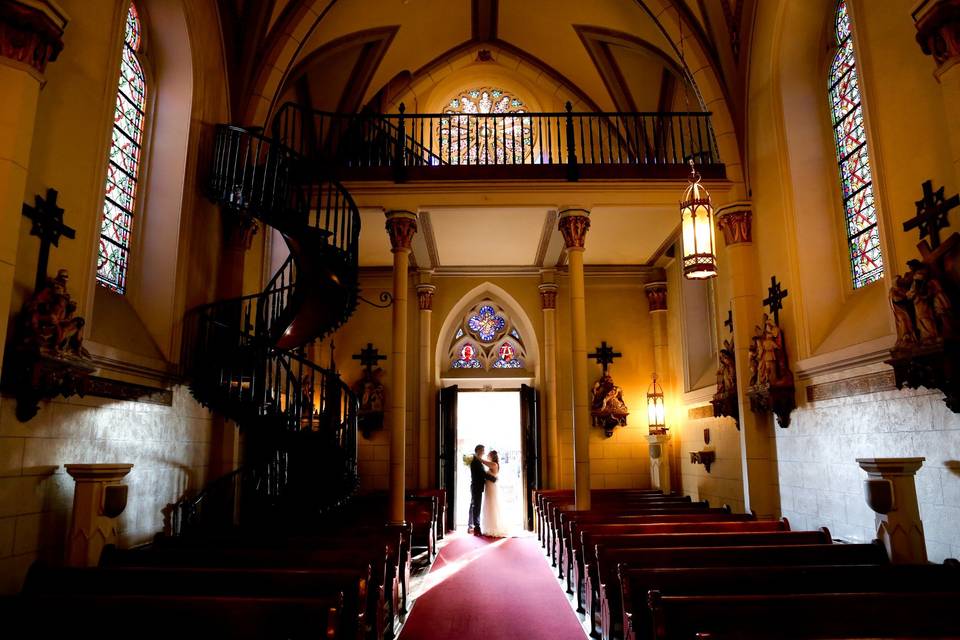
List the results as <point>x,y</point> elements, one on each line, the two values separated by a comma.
<point>491,589</point>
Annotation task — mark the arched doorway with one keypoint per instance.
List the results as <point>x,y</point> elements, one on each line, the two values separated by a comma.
<point>487,369</point>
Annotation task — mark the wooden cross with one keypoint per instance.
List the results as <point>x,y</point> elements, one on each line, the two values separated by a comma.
<point>932,213</point>
<point>774,299</point>
<point>48,225</point>
<point>369,357</point>
<point>604,356</point>
<point>728,323</point>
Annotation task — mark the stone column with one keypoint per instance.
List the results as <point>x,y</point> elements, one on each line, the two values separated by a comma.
<point>891,492</point>
<point>401,225</point>
<point>548,301</point>
<point>938,33</point>
<point>661,451</point>
<point>425,300</point>
<point>760,484</point>
<point>99,497</point>
<point>30,36</point>
<point>574,222</point>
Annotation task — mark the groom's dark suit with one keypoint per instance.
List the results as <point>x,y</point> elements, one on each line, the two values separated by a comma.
<point>478,473</point>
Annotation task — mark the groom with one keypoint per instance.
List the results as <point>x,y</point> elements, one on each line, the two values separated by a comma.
<point>478,474</point>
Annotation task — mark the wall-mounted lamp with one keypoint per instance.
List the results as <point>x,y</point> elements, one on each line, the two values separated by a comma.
<point>696,224</point>
<point>656,421</point>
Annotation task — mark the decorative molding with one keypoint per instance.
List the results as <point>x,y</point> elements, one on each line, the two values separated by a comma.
<point>426,228</point>
<point>401,225</point>
<point>548,221</point>
<point>735,221</point>
<point>119,390</point>
<point>856,386</point>
<point>858,355</point>
<point>425,296</point>
<point>656,296</point>
<point>574,224</point>
<point>548,295</point>
<point>938,31</point>
<point>31,33</point>
<point>700,413</point>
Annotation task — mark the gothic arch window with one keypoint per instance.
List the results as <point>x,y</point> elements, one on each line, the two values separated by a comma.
<point>486,338</point>
<point>124,164</point>
<point>467,137</point>
<point>853,158</point>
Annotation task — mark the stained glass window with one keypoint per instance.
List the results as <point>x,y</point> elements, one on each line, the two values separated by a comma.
<point>507,358</point>
<point>486,126</point>
<point>515,334</point>
<point>123,167</point>
<point>853,159</point>
<point>486,324</point>
<point>467,359</point>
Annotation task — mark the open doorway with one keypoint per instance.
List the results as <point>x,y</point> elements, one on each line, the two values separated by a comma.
<point>493,419</point>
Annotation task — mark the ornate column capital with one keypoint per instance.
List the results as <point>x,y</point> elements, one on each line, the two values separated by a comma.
<point>31,32</point>
<point>573,224</point>
<point>401,225</point>
<point>548,295</point>
<point>656,295</point>
<point>736,222</point>
<point>938,31</point>
<point>425,296</point>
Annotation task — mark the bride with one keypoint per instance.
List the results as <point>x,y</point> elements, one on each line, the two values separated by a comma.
<point>491,521</point>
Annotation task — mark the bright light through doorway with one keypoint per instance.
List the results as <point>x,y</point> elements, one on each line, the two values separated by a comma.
<point>491,418</point>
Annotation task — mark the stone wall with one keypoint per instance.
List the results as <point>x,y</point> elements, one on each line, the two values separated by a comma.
<point>169,447</point>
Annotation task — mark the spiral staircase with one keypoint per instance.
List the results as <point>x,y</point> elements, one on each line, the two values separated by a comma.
<point>246,357</point>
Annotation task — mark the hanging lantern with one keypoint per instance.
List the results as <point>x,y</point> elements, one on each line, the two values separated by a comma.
<point>696,219</point>
<point>655,411</point>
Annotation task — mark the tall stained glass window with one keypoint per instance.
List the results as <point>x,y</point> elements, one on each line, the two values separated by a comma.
<point>486,126</point>
<point>123,167</point>
<point>853,158</point>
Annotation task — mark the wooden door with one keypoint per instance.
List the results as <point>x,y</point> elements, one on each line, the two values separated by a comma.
<point>447,449</point>
<point>530,426</point>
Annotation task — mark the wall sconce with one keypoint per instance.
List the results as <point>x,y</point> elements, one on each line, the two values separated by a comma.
<point>696,223</point>
<point>655,410</point>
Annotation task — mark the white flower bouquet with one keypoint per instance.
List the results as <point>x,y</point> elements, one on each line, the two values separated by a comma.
<point>468,459</point>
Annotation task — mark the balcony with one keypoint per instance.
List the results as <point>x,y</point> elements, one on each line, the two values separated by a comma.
<point>566,146</point>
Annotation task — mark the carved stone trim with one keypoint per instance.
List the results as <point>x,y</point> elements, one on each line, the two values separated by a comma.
<point>401,225</point>
<point>938,31</point>
<point>700,413</point>
<point>548,295</point>
<point>736,225</point>
<point>656,296</point>
<point>574,224</point>
<point>856,386</point>
<point>30,35</point>
<point>119,390</point>
<point>425,296</point>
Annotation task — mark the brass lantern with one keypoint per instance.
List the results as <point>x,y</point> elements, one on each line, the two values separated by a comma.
<point>656,421</point>
<point>696,219</point>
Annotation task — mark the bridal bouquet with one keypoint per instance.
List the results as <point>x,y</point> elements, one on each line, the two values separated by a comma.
<point>468,459</point>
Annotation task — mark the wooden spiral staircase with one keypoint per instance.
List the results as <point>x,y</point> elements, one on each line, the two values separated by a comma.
<point>246,356</point>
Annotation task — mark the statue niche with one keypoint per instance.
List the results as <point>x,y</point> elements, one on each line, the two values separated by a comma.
<point>607,408</point>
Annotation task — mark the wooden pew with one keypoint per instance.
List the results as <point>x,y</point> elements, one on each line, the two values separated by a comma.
<point>541,497</point>
<point>163,581</point>
<point>440,496</point>
<point>421,512</point>
<point>583,549</point>
<point>605,565</point>
<point>153,616</point>
<point>806,615</point>
<point>635,584</point>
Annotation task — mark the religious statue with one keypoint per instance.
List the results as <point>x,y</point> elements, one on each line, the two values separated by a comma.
<point>771,380</point>
<point>725,399</point>
<point>370,390</point>
<point>607,407</point>
<point>49,322</point>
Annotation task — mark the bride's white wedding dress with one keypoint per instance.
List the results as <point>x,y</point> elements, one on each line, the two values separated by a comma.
<point>491,521</point>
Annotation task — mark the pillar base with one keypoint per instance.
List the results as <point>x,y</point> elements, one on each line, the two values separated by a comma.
<point>890,490</point>
<point>98,499</point>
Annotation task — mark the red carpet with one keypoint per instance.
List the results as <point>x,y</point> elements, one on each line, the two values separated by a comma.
<point>491,589</point>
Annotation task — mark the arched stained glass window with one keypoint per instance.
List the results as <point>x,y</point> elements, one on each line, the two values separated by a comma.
<point>485,126</point>
<point>507,357</point>
<point>486,338</point>
<point>853,158</point>
<point>123,167</point>
<point>467,359</point>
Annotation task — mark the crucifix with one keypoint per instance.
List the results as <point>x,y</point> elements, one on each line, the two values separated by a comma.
<point>774,299</point>
<point>728,323</point>
<point>369,357</point>
<point>604,356</point>
<point>48,225</point>
<point>932,213</point>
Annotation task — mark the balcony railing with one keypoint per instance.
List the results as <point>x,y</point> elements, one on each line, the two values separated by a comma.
<point>566,145</point>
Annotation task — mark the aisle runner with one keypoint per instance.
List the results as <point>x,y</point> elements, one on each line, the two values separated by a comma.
<point>491,589</point>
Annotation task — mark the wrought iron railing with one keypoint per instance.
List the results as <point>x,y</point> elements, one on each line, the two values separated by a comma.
<point>570,140</point>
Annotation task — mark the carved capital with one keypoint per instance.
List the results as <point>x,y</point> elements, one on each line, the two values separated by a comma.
<point>401,225</point>
<point>938,31</point>
<point>425,296</point>
<point>548,295</point>
<point>31,32</point>
<point>656,296</point>
<point>240,231</point>
<point>573,225</point>
<point>736,223</point>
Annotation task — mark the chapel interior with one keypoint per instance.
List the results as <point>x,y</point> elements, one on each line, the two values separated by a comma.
<point>273,268</point>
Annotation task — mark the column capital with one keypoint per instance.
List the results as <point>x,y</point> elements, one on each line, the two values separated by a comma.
<point>548,295</point>
<point>573,224</point>
<point>31,32</point>
<point>401,225</point>
<point>938,31</point>
<point>736,222</point>
<point>425,296</point>
<point>656,296</point>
